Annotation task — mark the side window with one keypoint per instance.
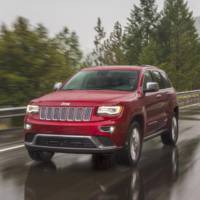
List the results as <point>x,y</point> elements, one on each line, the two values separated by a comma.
<point>158,78</point>
<point>147,78</point>
<point>166,80</point>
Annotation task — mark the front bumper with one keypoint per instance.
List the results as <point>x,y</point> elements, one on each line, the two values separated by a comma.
<point>70,144</point>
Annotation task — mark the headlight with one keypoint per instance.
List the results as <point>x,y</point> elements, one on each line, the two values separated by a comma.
<point>109,110</point>
<point>32,109</point>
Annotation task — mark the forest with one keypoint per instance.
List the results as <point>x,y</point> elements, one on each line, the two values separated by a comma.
<point>31,61</point>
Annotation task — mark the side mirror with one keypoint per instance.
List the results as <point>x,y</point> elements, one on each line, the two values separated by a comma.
<point>152,87</point>
<point>57,86</point>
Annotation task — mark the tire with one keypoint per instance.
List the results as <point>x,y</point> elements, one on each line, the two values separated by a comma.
<point>41,156</point>
<point>171,136</point>
<point>130,154</point>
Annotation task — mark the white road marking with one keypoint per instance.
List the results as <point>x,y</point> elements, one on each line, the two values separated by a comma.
<point>11,148</point>
<point>188,106</point>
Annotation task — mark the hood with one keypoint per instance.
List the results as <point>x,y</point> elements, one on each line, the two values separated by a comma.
<point>87,96</point>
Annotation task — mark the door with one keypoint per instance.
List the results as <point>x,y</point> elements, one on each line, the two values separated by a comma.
<point>151,105</point>
<point>168,91</point>
<point>161,99</point>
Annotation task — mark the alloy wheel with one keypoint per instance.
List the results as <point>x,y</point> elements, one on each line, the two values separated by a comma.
<point>135,144</point>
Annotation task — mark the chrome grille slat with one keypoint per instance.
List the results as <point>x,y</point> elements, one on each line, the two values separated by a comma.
<point>42,113</point>
<point>49,113</point>
<point>86,114</point>
<point>70,114</point>
<point>56,114</point>
<point>65,113</point>
<point>79,114</point>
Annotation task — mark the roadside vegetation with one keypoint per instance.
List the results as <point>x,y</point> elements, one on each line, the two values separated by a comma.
<point>31,61</point>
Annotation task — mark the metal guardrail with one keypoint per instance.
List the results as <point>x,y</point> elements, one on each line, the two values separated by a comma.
<point>188,97</point>
<point>12,112</point>
<point>187,92</point>
<point>184,99</point>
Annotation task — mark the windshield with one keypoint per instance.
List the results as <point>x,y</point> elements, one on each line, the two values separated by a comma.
<point>104,80</point>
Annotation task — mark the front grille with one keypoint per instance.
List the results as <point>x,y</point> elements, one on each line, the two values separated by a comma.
<point>65,142</point>
<point>65,113</point>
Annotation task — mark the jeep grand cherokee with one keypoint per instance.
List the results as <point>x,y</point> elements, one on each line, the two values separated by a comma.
<point>101,111</point>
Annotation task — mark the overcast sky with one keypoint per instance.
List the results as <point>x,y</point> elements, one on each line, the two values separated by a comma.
<point>78,15</point>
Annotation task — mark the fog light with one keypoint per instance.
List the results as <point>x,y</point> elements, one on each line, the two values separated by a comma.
<point>27,126</point>
<point>107,129</point>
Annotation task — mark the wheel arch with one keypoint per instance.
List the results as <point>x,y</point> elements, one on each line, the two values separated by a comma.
<point>176,111</point>
<point>139,118</point>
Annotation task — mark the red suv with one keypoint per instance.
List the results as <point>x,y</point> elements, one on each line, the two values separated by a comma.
<point>101,111</point>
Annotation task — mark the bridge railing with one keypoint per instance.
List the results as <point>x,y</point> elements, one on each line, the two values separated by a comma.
<point>6,114</point>
<point>188,97</point>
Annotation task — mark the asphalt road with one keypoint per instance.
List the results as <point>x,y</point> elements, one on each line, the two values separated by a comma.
<point>164,173</point>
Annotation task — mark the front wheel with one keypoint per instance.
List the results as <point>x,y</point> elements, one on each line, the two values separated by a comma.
<point>171,136</point>
<point>132,151</point>
<point>41,156</point>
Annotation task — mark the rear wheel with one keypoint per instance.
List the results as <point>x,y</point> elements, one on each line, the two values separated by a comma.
<point>41,156</point>
<point>171,136</point>
<point>132,151</point>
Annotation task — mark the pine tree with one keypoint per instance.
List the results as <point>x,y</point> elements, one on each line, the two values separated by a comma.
<point>140,29</point>
<point>133,36</point>
<point>69,45</point>
<point>113,47</point>
<point>42,31</point>
<point>108,50</point>
<point>149,54</point>
<point>178,44</point>
<point>30,61</point>
<point>97,53</point>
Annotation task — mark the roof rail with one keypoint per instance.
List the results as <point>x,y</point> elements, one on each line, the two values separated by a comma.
<point>147,66</point>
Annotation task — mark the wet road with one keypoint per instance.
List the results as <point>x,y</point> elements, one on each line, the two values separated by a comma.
<point>164,173</point>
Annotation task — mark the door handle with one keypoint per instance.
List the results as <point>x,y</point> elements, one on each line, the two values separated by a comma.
<point>158,96</point>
